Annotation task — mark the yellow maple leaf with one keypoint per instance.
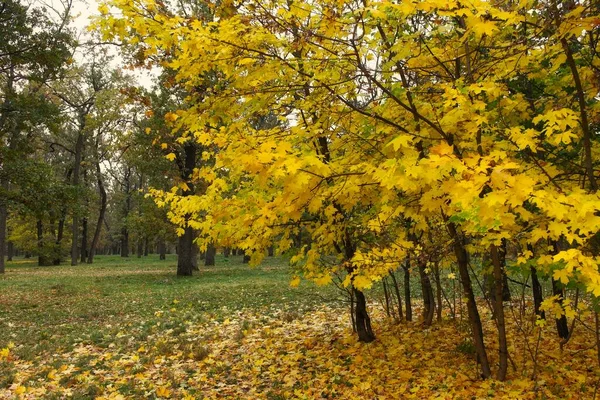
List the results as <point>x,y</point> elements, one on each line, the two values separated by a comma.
<point>295,281</point>
<point>163,391</point>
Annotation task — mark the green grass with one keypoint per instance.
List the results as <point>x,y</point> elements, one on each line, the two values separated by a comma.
<point>50,309</point>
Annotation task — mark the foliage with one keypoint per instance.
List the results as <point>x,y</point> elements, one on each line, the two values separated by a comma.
<point>123,329</point>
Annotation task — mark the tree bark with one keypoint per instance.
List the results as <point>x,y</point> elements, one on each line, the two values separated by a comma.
<point>126,209</point>
<point>10,251</point>
<point>438,291</point>
<point>226,252</point>
<point>537,293</point>
<point>498,259</point>
<point>140,248</point>
<point>427,290</point>
<point>162,249</point>
<point>185,266</point>
<point>362,320</point>
<point>102,212</point>
<point>124,242</point>
<point>407,299</point>
<point>209,258</point>
<point>397,291</point>
<point>146,246</point>
<point>84,237</point>
<point>474,318</point>
<point>76,171</point>
<point>43,259</point>
<point>562,327</point>
<point>186,255</point>
<point>3,220</point>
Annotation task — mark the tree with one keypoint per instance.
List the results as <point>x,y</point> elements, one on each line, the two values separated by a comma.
<point>402,120</point>
<point>33,50</point>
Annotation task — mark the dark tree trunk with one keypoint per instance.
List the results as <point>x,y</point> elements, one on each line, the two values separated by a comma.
<point>59,237</point>
<point>498,256</point>
<point>43,259</point>
<point>398,297</point>
<point>124,242</point>
<point>126,210</point>
<point>438,291</point>
<point>474,318</point>
<point>185,266</point>
<point>427,290</point>
<point>226,252</point>
<point>271,251</point>
<point>386,295</point>
<point>407,299</point>
<point>162,249</point>
<point>362,320</point>
<point>3,220</point>
<point>537,293</point>
<point>76,170</point>
<point>102,212</point>
<point>186,253</point>
<point>140,248</point>
<point>10,251</point>
<point>146,247</point>
<point>84,237</point>
<point>209,258</point>
<point>562,327</point>
<point>246,258</point>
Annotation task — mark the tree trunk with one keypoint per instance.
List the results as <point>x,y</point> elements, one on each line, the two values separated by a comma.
<point>84,237</point>
<point>427,290</point>
<point>102,212</point>
<point>126,209</point>
<point>10,251</point>
<point>407,299</point>
<point>209,258</point>
<point>362,320</point>
<point>498,259</point>
<point>537,293</point>
<point>186,254</point>
<point>245,258</point>
<point>3,220</point>
<point>397,291</point>
<point>146,247</point>
<point>562,327</point>
<point>59,237</point>
<point>140,248</point>
<point>271,251</point>
<point>438,291</point>
<point>43,259</point>
<point>226,252</point>
<point>185,265</point>
<point>76,170</point>
<point>162,249</point>
<point>474,318</point>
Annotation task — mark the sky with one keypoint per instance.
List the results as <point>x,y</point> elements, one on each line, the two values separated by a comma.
<point>82,11</point>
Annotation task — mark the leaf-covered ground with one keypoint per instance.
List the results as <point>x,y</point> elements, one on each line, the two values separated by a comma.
<point>130,329</point>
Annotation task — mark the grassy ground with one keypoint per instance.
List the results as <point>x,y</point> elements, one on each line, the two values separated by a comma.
<point>130,329</point>
<point>47,309</point>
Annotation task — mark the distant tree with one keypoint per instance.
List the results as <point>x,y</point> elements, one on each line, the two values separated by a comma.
<point>34,49</point>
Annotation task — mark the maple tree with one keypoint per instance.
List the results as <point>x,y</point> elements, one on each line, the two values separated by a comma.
<point>404,127</point>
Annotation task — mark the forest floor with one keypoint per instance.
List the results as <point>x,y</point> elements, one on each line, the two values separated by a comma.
<point>130,329</point>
